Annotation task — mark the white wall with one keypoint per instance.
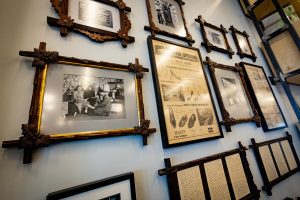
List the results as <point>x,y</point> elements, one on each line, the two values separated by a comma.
<point>23,26</point>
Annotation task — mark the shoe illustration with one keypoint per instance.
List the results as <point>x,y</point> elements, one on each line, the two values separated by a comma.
<point>183,120</point>
<point>172,117</point>
<point>192,120</point>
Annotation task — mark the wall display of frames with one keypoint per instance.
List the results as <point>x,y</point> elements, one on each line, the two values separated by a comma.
<point>277,160</point>
<point>214,37</point>
<point>114,188</point>
<point>263,97</point>
<point>241,40</point>
<point>166,17</point>
<point>186,111</point>
<point>78,99</point>
<point>99,20</point>
<point>232,94</point>
<point>222,176</point>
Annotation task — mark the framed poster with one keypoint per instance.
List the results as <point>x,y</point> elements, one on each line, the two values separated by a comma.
<point>214,37</point>
<point>241,40</point>
<point>186,110</point>
<point>232,94</point>
<point>166,17</point>
<point>244,7</point>
<point>222,176</point>
<point>121,187</point>
<point>263,97</point>
<point>79,99</point>
<point>277,160</point>
<point>99,20</point>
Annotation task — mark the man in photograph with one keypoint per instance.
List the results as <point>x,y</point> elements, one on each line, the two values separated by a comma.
<point>104,107</point>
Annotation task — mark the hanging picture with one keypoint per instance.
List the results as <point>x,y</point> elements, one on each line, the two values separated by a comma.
<point>232,94</point>
<point>241,40</point>
<point>99,20</point>
<point>166,17</point>
<point>79,99</point>
<point>214,37</point>
<point>263,96</point>
<point>186,111</point>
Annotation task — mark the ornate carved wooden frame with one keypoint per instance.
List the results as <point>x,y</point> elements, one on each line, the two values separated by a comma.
<point>66,23</point>
<point>209,46</point>
<point>240,52</point>
<point>228,121</point>
<point>269,184</point>
<point>33,139</point>
<point>155,30</point>
<point>171,173</point>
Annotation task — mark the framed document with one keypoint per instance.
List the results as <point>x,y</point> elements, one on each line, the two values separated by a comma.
<point>277,160</point>
<point>79,99</point>
<point>186,110</point>
<point>99,20</point>
<point>241,40</point>
<point>232,94</point>
<point>166,17</point>
<point>222,176</point>
<point>114,188</point>
<point>214,37</point>
<point>263,97</point>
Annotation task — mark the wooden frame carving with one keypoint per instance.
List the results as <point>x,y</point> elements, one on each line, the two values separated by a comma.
<point>228,120</point>
<point>254,95</point>
<point>154,29</point>
<point>242,53</point>
<point>68,192</point>
<point>66,23</point>
<point>33,139</point>
<point>173,177</point>
<point>289,160</point>
<point>207,44</point>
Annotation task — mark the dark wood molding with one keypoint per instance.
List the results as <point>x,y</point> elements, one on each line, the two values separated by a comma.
<point>33,139</point>
<point>208,45</point>
<point>67,24</point>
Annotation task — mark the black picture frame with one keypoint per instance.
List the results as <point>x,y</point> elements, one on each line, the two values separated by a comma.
<point>254,96</point>
<point>242,53</point>
<point>210,46</point>
<point>228,120</point>
<point>159,95</point>
<point>268,183</point>
<point>172,174</point>
<point>68,192</point>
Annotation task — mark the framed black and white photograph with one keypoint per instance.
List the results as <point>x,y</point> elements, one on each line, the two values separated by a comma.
<point>186,111</point>
<point>166,17</point>
<point>241,40</point>
<point>99,20</point>
<point>121,187</point>
<point>214,37</point>
<point>78,99</point>
<point>263,97</point>
<point>232,94</point>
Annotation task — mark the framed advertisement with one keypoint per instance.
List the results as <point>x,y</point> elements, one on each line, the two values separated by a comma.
<point>99,20</point>
<point>78,99</point>
<point>185,107</point>
<point>277,160</point>
<point>166,17</point>
<point>214,37</point>
<point>222,176</point>
<point>241,40</point>
<point>263,97</point>
<point>113,188</point>
<point>232,94</point>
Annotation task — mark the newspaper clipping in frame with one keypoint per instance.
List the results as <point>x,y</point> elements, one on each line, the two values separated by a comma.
<point>187,105</point>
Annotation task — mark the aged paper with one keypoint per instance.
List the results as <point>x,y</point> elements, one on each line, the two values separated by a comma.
<point>282,165</point>
<point>237,176</point>
<point>190,184</point>
<point>289,154</point>
<point>268,162</point>
<point>216,179</point>
<point>187,104</point>
<point>265,97</point>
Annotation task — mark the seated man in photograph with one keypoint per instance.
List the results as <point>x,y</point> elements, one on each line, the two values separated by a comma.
<point>104,107</point>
